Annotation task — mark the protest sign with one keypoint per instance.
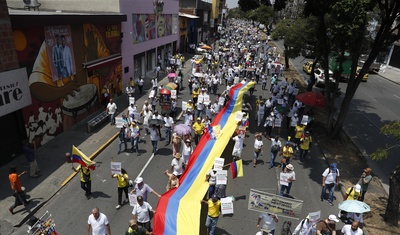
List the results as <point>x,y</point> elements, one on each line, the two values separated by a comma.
<point>278,122</point>
<point>173,94</point>
<point>131,100</point>
<point>283,179</point>
<point>274,204</point>
<point>304,120</point>
<point>222,177</point>
<point>226,205</point>
<point>218,163</point>
<point>132,199</point>
<point>239,116</point>
<point>118,122</point>
<point>184,105</point>
<point>314,217</point>
<point>116,168</point>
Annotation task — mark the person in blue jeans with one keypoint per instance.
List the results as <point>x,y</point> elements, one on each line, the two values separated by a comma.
<point>214,208</point>
<point>276,150</point>
<point>135,137</point>
<point>154,134</point>
<point>123,134</point>
<point>330,178</point>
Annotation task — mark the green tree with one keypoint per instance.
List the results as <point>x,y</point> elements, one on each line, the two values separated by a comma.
<point>392,208</point>
<point>247,5</point>
<point>342,27</point>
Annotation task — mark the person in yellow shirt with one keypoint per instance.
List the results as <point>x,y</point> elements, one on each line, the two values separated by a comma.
<point>195,94</point>
<point>86,179</point>
<point>287,152</point>
<point>298,130</point>
<point>123,179</point>
<point>214,205</point>
<point>198,128</point>
<point>353,193</point>
<point>305,145</point>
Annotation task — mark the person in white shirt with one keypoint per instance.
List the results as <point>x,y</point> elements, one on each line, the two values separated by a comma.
<point>154,137</point>
<point>131,112</point>
<point>141,213</point>
<point>258,148</point>
<point>290,177</point>
<point>351,229</point>
<point>168,125</point>
<point>140,85</point>
<point>266,222</point>
<point>98,223</point>
<point>211,177</point>
<point>276,150</point>
<point>188,118</point>
<point>112,110</point>
<point>177,165</point>
<point>304,227</point>
<point>330,178</point>
<point>238,147</point>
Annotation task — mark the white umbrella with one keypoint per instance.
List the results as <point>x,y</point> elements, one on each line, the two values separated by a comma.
<point>354,206</point>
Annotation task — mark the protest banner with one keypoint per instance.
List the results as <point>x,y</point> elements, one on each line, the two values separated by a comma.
<point>274,204</point>
<point>218,163</point>
<point>116,168</point>
<point>226,205</point>
<point>173,94</point>
<point>118,122</point>
<point>222,177</point>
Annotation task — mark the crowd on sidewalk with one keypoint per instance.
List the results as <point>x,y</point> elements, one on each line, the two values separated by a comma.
<point>242,56</point>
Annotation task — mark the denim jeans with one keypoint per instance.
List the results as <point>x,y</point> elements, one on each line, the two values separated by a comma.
<point>303,154</point>
<point>211,224</point>
<point>287,188</point>
<point>256,154</point>
<point>120,141</point>
<point>135,143</point>
<point>112,118</point>
<point>167,131</point>
<point>331,188</point>
<point>154,143</point>
<point>272,161</point>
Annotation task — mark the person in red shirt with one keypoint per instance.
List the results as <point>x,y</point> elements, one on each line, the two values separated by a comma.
<point>15,184</point>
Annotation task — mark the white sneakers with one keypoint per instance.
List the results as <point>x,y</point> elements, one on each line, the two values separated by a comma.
<point>117,207</point>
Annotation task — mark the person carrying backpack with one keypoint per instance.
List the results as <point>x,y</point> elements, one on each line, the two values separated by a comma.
<point>330,178</point>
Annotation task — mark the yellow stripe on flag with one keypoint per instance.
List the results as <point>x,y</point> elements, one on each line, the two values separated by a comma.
<point>239,166</point>
<point>84,158</point>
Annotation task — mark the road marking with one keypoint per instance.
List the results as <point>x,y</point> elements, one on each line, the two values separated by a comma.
<point>145,166</point>
<point>179,115</point>
<point>397,96</point>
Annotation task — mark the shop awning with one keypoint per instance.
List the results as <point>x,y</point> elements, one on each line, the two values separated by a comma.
<point>91,65</point>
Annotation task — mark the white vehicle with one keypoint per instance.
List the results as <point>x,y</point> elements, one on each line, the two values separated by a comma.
<point>320,76</point>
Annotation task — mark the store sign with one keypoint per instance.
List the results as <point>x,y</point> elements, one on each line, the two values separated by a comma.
<point>14,91</point>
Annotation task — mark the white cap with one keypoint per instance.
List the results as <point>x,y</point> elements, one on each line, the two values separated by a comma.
<point>333,218</point>
<point>357,188</point>
<point>139,180</point>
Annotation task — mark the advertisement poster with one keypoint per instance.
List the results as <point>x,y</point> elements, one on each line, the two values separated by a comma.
<point>59,44</point>
<point>270,203</point>
<point>138,28</point>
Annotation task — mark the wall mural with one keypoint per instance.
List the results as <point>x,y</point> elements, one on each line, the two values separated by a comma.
<point>150,26</point>
<point>138,28</point>
<point>168,25</point>
<point>62,96</point>
<point>150,23</point>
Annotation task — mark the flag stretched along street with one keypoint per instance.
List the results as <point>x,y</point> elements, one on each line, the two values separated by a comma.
<point>81,158</point>
<point>178,210</point>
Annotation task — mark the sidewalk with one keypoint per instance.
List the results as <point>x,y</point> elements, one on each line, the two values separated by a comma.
<point>52,162</point>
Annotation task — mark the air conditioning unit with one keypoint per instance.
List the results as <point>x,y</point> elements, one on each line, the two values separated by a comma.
<point>31,4</point>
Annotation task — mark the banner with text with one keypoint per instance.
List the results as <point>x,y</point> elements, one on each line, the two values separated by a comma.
<point>274,204</point>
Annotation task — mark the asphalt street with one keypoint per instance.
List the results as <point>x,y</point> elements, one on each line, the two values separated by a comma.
<point>374,104</point>
<point>70,209</point>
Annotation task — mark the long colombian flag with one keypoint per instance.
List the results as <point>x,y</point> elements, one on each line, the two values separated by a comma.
<point>178,210</point>
<point>81,158</point>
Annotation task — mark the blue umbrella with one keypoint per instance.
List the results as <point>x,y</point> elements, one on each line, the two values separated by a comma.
<point>354,206</point>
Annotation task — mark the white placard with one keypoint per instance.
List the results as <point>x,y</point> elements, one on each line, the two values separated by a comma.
<point>173,94</point>
<point>200,98</point>
<point>222,177</point>
<point>136,116</point>
<point>206,99</point>
<point>278,122</point>
<point>116,168</point>
<point>314,217</point>
<point>132,199</point>
<point>221,101</point>
<point>118,122</point>
<point>184,105</point>
<point>132,100</point>
<point>152,94</point>
<point>239,116</point>
<point>226,205</point>
<point>283,179</point>
<point>295,91</point>
<point>219,163</point>
<point>280,101</point>
<point>236,80</point>
<point>304,120</point>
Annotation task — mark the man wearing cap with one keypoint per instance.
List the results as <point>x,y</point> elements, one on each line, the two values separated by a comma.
<point>135,229</point>
<point>177,164</point>
<point>352,229</point>
<point>327,226</point>
<point>287,153</point>
<point>304,227</point>
<point>198,128</point>
<point>353,193</point>
<point>330,178</point>
<point>141,213</point>
<point>266,222</point>
<point>142,189</point>
<point>214,206</point>
<point>305,145</point>
<point>299,130</point>
<point>289,177</point>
